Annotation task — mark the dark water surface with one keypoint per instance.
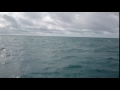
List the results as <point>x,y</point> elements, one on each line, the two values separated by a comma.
<point>58,57</point>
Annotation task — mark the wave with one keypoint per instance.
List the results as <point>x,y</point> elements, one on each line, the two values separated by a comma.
<point>100,70</point>
<point>69,57</point>
<point>2,49</point>
<point>73,66</point>
<point>5,55</point>
<point>102,50</point>
<point>43,74</point>
<point>111,58</point>
<point>72,50</point>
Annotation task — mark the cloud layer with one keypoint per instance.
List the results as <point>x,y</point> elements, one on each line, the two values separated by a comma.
<point>85,24</point>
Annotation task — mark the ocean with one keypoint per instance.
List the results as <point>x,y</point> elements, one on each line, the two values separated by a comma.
<point>58,57</point>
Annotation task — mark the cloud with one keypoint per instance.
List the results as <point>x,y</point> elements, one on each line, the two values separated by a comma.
<point>60,23</point>
<point>12,22</point>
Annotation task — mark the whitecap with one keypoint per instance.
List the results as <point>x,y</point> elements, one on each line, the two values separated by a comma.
<point>3,55</point>
<point>17,76</point>
<point>4,49</point>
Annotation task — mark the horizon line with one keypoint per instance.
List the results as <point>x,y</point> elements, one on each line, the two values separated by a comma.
<point>54,36</point>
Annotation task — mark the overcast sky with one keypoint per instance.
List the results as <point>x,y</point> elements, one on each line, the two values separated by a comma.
<point>83,24</point>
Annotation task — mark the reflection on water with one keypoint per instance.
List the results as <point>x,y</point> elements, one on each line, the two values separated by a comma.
<point>10,60</point>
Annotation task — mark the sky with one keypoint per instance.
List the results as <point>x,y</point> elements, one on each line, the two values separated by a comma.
<point>74,24</point>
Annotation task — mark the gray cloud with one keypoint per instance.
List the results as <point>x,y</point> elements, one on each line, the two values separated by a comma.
<point>25,22</point>
<point>61,23</point>
<point>12,21</point>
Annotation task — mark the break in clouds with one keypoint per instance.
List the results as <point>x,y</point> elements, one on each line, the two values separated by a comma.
<point>83,24</point>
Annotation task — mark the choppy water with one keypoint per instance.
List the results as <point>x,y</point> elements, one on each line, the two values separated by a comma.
<point>58,57</point>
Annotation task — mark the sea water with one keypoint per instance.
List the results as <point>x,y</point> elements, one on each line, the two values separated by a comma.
<point>58,57</point>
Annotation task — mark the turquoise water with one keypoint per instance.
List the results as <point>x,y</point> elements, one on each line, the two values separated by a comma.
<point>58,57</point>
